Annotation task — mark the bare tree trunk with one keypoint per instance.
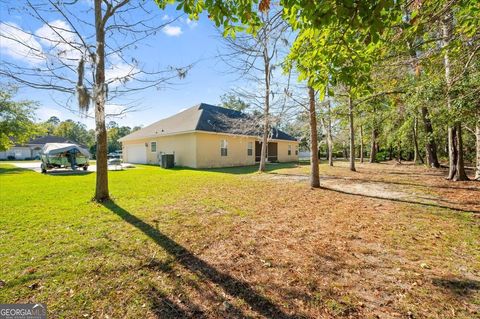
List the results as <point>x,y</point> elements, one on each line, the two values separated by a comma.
<point>416,154</point>
<point>101,191</point>
<point>452,150</point>
<point>456,169</point>
<point>329,135</point>
<point>266,110</point>
<point>477,135</point>
<point>314,174</point>
<point>373,148</point>
<point>399,152</point>
<point>452,153</point>
<point>361,144</point>
<point>352,134</point>
<point>461,174</point>
<point>430,144</point>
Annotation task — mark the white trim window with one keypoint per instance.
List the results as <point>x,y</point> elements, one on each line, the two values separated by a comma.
<point>250,149</point>
<point>223,148</point>
<point>153,147</point>
<point>289,150</point>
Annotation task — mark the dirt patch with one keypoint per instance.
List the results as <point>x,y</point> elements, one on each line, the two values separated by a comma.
<point>392,181</point>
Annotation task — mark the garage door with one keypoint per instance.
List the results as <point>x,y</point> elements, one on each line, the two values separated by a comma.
<point>136,153</point>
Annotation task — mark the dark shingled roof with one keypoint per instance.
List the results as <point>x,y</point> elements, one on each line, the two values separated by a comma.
<point>205,117</point>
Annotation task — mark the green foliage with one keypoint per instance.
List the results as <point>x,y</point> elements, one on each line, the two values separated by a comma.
<point>337,42</point>
<point>232,101</point>
<point>233,16</point>
<point>76,131</point>
<point>16,119</point>
<point>114,133</point>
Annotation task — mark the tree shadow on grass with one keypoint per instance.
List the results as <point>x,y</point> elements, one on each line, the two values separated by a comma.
<point>232,286</point>
<point>458,287</point>
<point>164,307</point>
<point>475,189</point>
<point>78,172</point>
<point>239,170</point>
<point>405,201</point>
<point>12,170</point>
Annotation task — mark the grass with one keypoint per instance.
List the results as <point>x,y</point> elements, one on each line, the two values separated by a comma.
<point>232,243</point>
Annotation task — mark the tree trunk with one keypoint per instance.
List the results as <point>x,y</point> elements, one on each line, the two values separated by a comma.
<point>266,112</point>
<point>361,144</point>
<point>373,148</point>
<point>416,153</point>
<point>456,171</point>
<point>452,153</point>
<point>461,174</point>
<point>399,152</point>
<point>329,136</point>
<point>477,135</point>
<point>352,134</point>
<point>101,191</point>
<point>430,144</point>
<point>314,171</point>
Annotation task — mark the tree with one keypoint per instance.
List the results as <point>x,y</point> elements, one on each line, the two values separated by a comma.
<point>446,36</point>
<point>16,119</point>
<point>114,133</point>
<point>79,54</point>
<point>337,44</point>
<point>314,175</point>
<point>75,131</point>
<point>254,58</point>
<point>233,101</point>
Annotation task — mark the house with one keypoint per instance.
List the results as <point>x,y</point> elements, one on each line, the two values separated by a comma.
<point>32,148</point>
<point>205,136</point>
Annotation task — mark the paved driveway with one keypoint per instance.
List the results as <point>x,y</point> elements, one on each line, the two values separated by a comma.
<point>35,166</point>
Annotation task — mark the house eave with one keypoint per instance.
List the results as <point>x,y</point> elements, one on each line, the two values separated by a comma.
<point>202,132</point>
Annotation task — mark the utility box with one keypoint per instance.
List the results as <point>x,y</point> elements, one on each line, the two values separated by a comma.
<point>167,161</point>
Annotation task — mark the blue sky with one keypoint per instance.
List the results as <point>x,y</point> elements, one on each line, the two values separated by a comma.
<point>181,43</point>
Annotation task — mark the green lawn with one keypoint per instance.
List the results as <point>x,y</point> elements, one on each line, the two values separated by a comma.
<point>79,252</point>
<point>227,243</point>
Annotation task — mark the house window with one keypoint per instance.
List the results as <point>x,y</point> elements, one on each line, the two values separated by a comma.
<point>289,150</point>
<point>153,147</point>
<point>296,150</point>
<point>223,148</point>
<point>250,149</point>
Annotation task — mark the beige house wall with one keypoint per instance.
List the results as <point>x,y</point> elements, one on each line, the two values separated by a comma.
<point>182,145</point>
<point>202,149</point>
<point>209,155</point>
<point>283,151</point>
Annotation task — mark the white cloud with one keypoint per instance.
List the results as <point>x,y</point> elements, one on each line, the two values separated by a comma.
<point>192,23</point>
<point>60,40</point>
<point>119,72</point>
<point>166,17</point>
<point>19,44</point>
<point>172,31</point>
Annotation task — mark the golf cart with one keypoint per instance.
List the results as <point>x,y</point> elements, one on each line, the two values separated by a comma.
<point>63,155</point>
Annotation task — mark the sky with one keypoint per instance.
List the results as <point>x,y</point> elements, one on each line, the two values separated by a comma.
<point>178,44</point>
